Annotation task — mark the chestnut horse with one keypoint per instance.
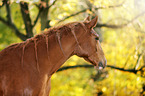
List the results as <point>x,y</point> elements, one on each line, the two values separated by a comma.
<point>26,68</point>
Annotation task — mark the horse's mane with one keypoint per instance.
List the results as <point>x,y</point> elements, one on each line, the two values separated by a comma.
<point>47,32</point>
<point>69,27</point>
<point>55,29</point>
<point>45,35</point>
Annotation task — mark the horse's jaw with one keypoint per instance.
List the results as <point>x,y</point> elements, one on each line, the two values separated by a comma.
<point>97,65</point>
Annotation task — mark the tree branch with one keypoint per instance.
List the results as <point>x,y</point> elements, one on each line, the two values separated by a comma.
<point>44,14</point>
<point>52,4</point>
<point>73,67</point>
<point>13,27</point>
<point>9,19</point>
<point>122,69</point>
<point>10,23</point>
<point>91,66</point>
<point>42,6</point>
<point>26,18</point>
<point>120,26</point>
<point>18,33</point>
<point>3,20</point>
<point>38,15</point>
<point>84,10</point>
<point>105,7</point>
<point>111,25</point>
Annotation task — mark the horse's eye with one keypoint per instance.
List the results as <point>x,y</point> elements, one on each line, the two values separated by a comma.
<point>97,38</point>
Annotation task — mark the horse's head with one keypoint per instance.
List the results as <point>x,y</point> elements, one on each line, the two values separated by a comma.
<point>88,44</point>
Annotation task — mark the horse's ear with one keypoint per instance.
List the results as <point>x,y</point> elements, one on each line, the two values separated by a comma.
<point>92,23</point>
<point>87,19</point>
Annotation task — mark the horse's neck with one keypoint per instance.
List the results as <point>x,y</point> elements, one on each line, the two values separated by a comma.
<point>54,52</point>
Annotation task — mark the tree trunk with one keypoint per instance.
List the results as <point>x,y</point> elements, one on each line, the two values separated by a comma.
<point>26,19</point>
<point>44,15</point>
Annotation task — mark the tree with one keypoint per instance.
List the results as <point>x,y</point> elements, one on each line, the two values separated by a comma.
<point>121,27</point>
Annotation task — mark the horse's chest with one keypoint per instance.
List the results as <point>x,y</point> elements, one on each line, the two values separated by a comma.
<point>28,92</point>
<point>44,88</point>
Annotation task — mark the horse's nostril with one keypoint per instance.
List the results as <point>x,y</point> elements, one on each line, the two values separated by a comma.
<point>101,64</point>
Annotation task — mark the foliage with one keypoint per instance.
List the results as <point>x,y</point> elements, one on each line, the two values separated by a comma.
<point>122,33</point>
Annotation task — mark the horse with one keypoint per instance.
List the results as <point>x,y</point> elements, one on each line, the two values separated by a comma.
<point>26,68</point>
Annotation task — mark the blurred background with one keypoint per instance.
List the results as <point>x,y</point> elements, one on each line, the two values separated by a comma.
<point>121,27</point>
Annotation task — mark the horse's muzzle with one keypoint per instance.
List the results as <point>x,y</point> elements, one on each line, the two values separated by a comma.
<point>103,65</point>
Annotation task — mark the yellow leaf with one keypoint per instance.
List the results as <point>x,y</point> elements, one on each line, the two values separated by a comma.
<point>104,89</point>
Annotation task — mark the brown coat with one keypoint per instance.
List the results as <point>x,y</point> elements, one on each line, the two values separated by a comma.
<point>26,68</point>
